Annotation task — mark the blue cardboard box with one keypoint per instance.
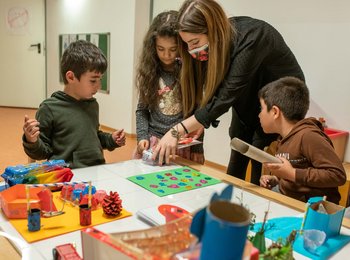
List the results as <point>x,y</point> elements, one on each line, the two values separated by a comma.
<point>325,216</point>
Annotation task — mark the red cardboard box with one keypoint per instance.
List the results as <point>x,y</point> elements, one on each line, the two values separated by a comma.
<point>339,139</point>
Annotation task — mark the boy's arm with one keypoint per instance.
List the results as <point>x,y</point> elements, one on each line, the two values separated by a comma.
<point>113,140</point>
<point>119,137</point>
<point>38,150</point>
<point>41,149</point>
<point>31,129</point>
<point>282,170</point>
<point>107,141</point>
<point>327,169</point>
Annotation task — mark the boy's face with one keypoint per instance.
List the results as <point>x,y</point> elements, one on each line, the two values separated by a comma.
<point>87,86</point>
<point>267,118</point>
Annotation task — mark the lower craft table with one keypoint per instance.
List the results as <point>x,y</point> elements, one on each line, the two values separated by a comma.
<point>113,177</point>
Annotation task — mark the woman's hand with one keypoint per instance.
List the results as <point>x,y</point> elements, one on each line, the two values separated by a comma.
<point>165,147</point>
<point>196,134</point>
<point>168,144</point>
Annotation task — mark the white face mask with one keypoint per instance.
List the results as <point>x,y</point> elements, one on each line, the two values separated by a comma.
<point>200,53</point>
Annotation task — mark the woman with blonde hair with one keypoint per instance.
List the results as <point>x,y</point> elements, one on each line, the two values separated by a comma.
<point>225,61</point>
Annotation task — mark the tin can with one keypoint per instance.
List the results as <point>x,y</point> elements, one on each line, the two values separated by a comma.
<point>147,157</point>
<point>34,220</point>
<point>85,215</point>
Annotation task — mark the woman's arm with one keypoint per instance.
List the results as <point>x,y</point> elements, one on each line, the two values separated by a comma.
<point>168,143</point>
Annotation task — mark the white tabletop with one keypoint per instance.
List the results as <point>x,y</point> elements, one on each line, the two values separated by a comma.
<point>112,177</point>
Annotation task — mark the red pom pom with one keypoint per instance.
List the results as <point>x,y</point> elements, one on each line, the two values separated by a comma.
<point>112,204</point>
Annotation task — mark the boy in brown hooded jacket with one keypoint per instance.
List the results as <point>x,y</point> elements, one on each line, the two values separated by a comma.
<point>310,166</point>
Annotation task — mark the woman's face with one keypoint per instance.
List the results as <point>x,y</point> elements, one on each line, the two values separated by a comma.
<point>194,40</point>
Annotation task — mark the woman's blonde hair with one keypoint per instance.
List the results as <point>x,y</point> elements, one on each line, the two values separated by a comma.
<point>199,81</point>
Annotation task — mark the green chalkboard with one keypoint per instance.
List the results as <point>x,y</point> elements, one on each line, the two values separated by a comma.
<point>102,40</point>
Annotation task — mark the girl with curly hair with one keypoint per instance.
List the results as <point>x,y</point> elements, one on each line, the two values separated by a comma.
<point>159,106</point>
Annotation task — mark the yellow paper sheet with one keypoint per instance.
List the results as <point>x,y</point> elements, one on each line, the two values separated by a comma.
<point>62,224</point>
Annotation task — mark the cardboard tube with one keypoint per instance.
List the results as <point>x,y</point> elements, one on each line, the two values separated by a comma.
<point>253,152</point>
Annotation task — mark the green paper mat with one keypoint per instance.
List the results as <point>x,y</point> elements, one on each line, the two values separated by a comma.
<point>168,182</point>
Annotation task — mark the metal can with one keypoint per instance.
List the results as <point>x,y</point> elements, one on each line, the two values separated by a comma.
<point>147,157</point>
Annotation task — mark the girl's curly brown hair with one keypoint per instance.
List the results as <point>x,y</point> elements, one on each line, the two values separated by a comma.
<point>149,67</point>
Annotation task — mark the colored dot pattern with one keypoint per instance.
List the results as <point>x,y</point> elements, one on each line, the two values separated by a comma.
<point>173,181</point>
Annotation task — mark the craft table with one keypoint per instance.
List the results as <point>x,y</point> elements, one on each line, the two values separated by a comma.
<point>112,177</point>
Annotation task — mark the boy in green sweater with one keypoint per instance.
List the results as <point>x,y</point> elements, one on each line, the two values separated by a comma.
<point>66,125</point>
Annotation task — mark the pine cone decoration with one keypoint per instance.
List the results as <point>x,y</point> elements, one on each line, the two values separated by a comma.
<point>112,204</point>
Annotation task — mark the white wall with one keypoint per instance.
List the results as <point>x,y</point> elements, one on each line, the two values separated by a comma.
<point>114,16</point>
<point>318,32</point>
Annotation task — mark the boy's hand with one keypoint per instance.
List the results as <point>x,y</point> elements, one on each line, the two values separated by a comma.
<point>282,170</point>
<point>31,129</point>
<point>119,137</point>
<point>142,145</point>
<point>268,181</point>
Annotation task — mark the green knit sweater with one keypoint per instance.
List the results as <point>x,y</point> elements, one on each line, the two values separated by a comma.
<point>69,130</point>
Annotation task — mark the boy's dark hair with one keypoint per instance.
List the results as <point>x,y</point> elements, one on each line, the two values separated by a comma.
<point>80,57</point>
<point>289,94</point>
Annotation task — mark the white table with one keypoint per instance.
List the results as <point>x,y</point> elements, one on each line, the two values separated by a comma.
<point>112,177</point>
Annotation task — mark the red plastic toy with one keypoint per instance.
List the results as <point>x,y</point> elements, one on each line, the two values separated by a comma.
<point>65,252</point>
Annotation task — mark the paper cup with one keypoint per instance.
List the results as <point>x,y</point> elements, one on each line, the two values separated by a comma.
<point>225,231</point>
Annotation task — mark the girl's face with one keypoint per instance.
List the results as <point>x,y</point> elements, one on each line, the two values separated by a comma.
<point>166,50</point>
